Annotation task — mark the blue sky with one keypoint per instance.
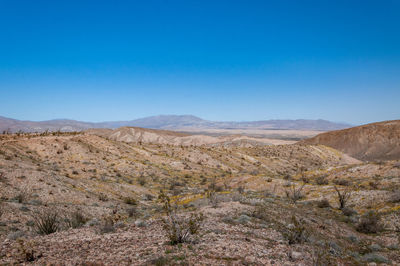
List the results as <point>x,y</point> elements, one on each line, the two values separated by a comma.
<point>220,60</point>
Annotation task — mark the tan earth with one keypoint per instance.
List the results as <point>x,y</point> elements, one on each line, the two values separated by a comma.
<point>377,141</point>
<point>242,185</point>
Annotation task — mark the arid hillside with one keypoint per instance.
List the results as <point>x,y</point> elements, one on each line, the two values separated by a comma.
<point>377,141</point>
<point>121,197</point>
<point>153,136</point>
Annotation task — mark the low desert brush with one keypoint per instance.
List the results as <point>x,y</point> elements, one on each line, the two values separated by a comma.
<point>76,219</point>
<point>343,197</point>
<point>369,223</point>
<point>46,221</point>
<point>179,228</point>
<point>294,193</point>
<point>296,232</point>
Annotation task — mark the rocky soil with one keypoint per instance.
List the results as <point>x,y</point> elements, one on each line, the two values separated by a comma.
<point>243,189</point>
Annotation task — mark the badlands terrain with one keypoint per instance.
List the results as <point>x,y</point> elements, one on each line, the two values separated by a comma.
<point>135,196</point>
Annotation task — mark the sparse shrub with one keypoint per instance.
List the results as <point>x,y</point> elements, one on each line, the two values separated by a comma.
<point>321,180</point>
<point>396,224</point>
<point>321,256</point>
<point>324,203</point>
<point>107,226</point>
<point>254,172</point>
<point>219,189</point>
<point>3,177</point>
<point>103,197</point>
<point>395,197</point>
<point>305,179</point>
<point>296,232</point>
<point>212,185</point>
<point>130,201</point>
<point>294,193</point>
<point>213,198</point>
<point>342,182</point>
<point>46,221</point>
<point>240,189</point>
<point>161,261</point>
<point>348,211</point>
<point>142,180</point>
<point>373,184</point>
<point>260,212</point>
<point>287,177</point>
<point>369,223</point>
<point>131,212</point>
<point>76,220</point>
<point>148,197</point>
<point>343,197</point>
<point>178,228</point>
<point>22,196</point>
<point>26,251</point>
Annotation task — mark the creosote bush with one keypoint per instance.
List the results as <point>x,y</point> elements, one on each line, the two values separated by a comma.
<point>213,198</point>
<point>130,201</point>
<point>369,223</point>
<point>179,228</point>
<point>324,203</point>
<point>46,221</point>
<point>261,212</point>
<point>26,251</point>
<point>76,220</point>
<point>321,180</point>
<point>294,193</point>
<point>348,211</point>
<point>296,232</point>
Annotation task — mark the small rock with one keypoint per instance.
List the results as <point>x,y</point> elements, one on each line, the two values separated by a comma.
<point>35,202</point>
<point>353,239</point>
<point>140,223</point>
<point>243,219</point>
<point>375,247</point>
<point>24,209</point>
<point>120,225</point>
<point>93,222</point>
<point>393,247</point>
<point>296,255</point>
<point>15,235</point>
<point>373,257</point>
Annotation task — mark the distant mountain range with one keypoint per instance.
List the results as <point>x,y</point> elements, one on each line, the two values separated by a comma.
<point>170,122</point>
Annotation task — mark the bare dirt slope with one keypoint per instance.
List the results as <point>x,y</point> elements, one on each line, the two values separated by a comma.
<point>144,135</point>
<point>377,141</point>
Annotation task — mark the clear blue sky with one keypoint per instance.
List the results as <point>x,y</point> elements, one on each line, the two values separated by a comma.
<point>220,60</point>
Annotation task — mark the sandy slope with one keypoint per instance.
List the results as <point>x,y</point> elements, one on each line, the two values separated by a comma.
<point>377,141</point>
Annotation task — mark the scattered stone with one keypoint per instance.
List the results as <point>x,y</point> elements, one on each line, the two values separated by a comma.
<point>140,223</point>
<point>296,255</point>
<point>15,235</point>
<point>24,209</point>
<point>375,247</point>
<point>374,257</point>
<point>243,219</point>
